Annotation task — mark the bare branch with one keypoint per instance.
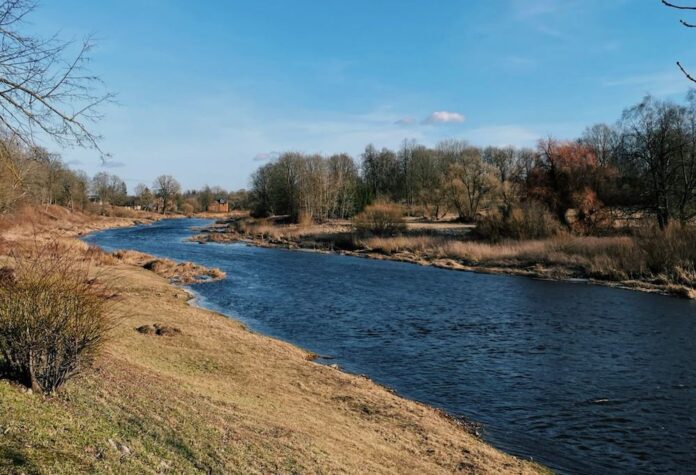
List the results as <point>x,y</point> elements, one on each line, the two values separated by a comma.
<point>45,92</point>
<point>678,7</point>
<point>688,76</point>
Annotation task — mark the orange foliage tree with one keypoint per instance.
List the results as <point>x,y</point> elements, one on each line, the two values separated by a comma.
<point>567,176</point>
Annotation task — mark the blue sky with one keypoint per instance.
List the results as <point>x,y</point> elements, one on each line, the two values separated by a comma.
<point>209,90</point>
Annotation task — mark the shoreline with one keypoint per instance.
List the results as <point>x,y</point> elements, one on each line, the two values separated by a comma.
<point>364,407</point>
<point>535,271</point>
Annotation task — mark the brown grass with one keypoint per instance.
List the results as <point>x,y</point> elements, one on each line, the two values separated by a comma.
<point>606,258</point>
<point>176,272</point>
<point>264,229</point>
<point>47,222</point>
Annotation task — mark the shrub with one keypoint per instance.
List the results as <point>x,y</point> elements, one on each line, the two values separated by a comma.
<point>53,318</point>
<point>380,219</point>
<point>187,209</point>
<point>671,252</point>
<point>531,220</point>
<point>305,219</point>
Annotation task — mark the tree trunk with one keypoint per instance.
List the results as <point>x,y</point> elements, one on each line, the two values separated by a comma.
<point>31,380</point>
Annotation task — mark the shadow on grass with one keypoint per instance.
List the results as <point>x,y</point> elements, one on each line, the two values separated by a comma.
<point>13,460</point>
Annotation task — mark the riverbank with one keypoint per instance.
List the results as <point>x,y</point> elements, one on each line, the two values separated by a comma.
<point>214,397</point>
<point>616,261</point>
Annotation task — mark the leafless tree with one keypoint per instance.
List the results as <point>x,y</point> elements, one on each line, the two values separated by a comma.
<point>470,179</point>
<point>45,87</point>
<point>144,196</point>
<point>166,188</point>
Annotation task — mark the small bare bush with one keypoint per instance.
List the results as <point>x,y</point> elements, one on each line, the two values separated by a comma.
<point>187,209</point>
<point>53,318</point>
<point>380,219</point>
<point>671,252</point>
<point>305,219</point>
<point>531,220</point>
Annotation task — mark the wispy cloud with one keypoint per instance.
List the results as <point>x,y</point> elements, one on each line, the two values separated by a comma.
<point>660,84</point>
<point>406,121</point>
<point>112,164</point>
<point>526,9</point>
<point>443,117</point>
<point>545,16</point>
<point>266,156</point>
<point>502,135</point>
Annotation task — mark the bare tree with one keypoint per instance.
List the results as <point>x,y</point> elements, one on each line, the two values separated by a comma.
<point>144,196</point>
<point>166,188</point>
<point>43,88</point>
<point>470,180</point>
<point>653,145</point>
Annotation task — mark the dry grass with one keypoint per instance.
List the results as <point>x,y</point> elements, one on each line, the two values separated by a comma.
<point>472,252</point>
<point>607,258</point>
<point>263,229</point>
<point>176,272</point>
<point>47,222</point>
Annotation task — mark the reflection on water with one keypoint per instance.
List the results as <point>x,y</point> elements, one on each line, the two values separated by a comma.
<point>585,379</point>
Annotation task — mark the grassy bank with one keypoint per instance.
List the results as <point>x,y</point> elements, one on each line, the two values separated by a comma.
<point>650,261</point>
<point>217,398</point>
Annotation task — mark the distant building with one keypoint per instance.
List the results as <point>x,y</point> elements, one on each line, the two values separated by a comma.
<point>219,206</point>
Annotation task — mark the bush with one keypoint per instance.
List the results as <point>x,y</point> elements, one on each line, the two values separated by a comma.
<point>53,319</point>
<point>671,252</point>
<point>187,209</point>
<point>380,219</point>
<point>531,220</point>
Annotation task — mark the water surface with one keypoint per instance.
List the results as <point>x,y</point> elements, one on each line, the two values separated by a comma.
<point>585,379</point>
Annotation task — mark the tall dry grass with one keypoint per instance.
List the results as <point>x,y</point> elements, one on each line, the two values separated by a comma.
<point>614,258</point>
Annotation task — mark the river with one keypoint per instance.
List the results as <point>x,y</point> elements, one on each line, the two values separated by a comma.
<point>582,378</point>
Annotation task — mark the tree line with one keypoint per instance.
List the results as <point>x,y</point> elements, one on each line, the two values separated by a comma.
<point>645,161</point>
<point>32,175</point>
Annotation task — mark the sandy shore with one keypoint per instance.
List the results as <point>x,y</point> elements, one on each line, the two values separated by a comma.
<point>217,398</point>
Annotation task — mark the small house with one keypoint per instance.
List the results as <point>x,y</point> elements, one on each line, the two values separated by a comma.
<point>220,205</point>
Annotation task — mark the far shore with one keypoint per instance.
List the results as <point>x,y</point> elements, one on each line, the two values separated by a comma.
<point>336,237</point>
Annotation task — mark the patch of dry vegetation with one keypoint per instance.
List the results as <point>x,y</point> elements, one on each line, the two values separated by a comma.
<point>47,222</point>
<point>176,272</point>
<point>380,219</point>
<point>666,259</point>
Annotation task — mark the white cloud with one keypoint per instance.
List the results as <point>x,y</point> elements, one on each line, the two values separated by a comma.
<point>442,117</point>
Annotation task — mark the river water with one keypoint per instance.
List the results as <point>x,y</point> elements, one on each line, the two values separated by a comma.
<point>582,378</point>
